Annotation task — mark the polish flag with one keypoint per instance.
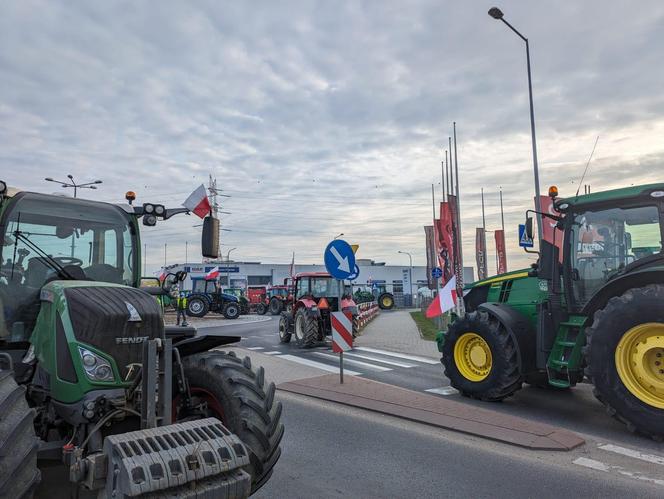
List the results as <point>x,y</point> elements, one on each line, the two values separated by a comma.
<point>198,202</point>
<point>446,300</point>
<point>161,274</point>
<point>213,274</point>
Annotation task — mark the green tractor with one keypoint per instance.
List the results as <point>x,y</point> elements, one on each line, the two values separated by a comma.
<point>91,377</point>
<point>592,306</point>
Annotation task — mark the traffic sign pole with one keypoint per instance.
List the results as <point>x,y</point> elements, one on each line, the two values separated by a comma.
<point>341,368</point>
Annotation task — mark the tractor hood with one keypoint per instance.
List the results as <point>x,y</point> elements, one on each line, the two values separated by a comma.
<point>112,318</point>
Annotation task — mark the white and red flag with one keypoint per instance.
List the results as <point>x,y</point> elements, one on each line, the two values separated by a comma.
<point>198,202</point>
<point>446,299</point>
<point>213,274</point>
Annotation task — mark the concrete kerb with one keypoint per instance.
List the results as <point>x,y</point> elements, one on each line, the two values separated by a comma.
<point>428,409</point>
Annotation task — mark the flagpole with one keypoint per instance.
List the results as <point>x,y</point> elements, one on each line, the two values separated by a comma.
<point>458,200</point>
<point>450,173</point>
<point>442,177</point>
<point>433,211</point>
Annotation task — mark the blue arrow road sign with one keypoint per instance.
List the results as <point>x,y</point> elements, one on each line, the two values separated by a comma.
<point>524,240</point>
<point>436,272</point>
<point>340,260</point>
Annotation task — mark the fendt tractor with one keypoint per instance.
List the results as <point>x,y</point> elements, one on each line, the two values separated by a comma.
<point>90,376</point>
<point>315,295</point>
<point>592,306</point>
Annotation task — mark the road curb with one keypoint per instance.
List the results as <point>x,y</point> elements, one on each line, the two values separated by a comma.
<point>435,411</point>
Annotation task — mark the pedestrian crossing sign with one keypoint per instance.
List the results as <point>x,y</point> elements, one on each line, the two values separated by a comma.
<point>524,240</point>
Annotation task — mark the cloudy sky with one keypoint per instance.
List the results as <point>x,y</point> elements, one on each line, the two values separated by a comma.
<point>321,117</point>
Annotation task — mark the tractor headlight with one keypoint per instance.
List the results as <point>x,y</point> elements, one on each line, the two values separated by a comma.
<point>159,210</point>
<point>96,367</point>
<point>148,208</point>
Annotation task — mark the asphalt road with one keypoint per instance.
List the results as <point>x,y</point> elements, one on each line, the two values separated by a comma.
<point>335,451</point>
<point>576,409</point>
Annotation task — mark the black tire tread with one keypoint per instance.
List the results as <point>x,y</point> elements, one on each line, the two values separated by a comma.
<point>311,329</point>
<point>19,474</point>
<point>509,379</point>
<point>249,403</point>
<point>283,323</point>
<point>615,307</point>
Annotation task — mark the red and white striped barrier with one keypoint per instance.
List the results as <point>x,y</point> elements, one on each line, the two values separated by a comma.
<point>367,311</point>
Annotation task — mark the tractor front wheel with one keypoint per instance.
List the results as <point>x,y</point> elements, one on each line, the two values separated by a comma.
<point>306,328</point>
<point>480,358</point>
<point>231,310</point>
<point>386,301</point>
<point>238,395</point>
<point>19,474</point>
<point>261,309</point>
<point>625,359</point>
<point>197,307</point>
<point>275,306</point>
<point>284,332</point>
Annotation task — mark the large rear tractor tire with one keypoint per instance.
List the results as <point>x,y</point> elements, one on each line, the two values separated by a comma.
<point>19,474</point>
<point>238,395</point>
<point>306,329</point>
<point>197,307</point>
<point>625,359</point>
<point>231,310</point>
<point>480,358</point>
<point>284,332</point>
<point>261,309</point>
<point>386,301</point>
<point>276,306</point>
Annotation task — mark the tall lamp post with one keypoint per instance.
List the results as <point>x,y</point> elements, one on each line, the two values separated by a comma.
<point>72,183</point>
<point>496,13</point>
<point>228,272</point>
<point>338,236</point>
<point>410,271</point>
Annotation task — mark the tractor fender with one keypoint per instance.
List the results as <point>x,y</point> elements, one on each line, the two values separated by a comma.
<point>203,343</point>
<point>618,286</point>
<point>519,328</point>
<point>309,305</point>
<point>349,303</point>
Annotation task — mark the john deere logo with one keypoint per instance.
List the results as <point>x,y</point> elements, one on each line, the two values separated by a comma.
<point>133,313</point>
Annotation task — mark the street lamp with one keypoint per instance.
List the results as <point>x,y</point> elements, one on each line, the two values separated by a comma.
<point>228,254</point>
<point>72,183</point>
<point>410,270</point>
<point>338,236</point>
<point>496,13</point>
<point>228,270</point>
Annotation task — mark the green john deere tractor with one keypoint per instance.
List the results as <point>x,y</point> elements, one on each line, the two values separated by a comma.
<point>592,306</point>
<point>90,375</point>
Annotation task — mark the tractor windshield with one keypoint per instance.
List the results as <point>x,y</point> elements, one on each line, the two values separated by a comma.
<point>606,241</point>
<point>89,240</point>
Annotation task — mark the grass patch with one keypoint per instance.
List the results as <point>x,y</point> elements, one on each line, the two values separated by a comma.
<point>427,327</point>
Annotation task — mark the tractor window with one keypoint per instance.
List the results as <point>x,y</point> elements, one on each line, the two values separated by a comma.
<point>606,241</point>
<point>324,287</point>
<point>303,288</point>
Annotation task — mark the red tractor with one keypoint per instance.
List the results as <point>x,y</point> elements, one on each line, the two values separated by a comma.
<point>279,298</point>
<point>315,295</point>
<point>257,296</point>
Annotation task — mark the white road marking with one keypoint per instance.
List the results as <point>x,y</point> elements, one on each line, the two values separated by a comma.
<point>607,468</point>
<point>255,348</point>
<point>274,352</point>
<point>446,390</point>
<point>318,365</point>
<point>651,458</point>
<point>388,362</point>
<point>354,362</point>
<point>424,360</point>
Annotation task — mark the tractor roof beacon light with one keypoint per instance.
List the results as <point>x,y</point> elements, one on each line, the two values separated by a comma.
<point>553,191</point>
<point>130,196</point>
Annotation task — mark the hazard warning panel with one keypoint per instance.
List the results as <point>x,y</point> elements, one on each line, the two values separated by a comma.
<point>342,331</point>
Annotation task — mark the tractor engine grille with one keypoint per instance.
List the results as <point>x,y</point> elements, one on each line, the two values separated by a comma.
<point>116,320</point>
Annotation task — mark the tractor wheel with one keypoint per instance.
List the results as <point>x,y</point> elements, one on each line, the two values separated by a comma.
<point>625,357</point>
<point>480,358</point>
<point>386,301</point>
<point>275,306</point>
<point>19,474</point>
<point>261,309</point>
<point>306,329</point>
<point>197,307</point>
<point>239,396</point>
<point>284,333</point>
<point>231,310</point>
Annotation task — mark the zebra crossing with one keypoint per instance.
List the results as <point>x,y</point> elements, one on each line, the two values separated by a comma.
<point>360,360</point>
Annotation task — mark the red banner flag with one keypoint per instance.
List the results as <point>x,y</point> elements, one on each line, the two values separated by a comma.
<point>445,231</point>
<point>480,253</point>
<point>549,231</point>
<point>456,242</point>
<point>501,256</point>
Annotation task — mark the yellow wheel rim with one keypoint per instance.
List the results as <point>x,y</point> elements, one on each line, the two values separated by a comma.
<point>387,301</point>
<point>640,362</point>
<point>472,356</point>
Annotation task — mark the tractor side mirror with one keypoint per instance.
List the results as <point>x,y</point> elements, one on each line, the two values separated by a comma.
<point>529,228</point>
<point>210,238</point>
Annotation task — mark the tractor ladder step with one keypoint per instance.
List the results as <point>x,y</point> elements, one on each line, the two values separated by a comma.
<point>565,353</point>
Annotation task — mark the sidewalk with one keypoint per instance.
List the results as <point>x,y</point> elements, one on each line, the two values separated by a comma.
<point>396,331</point>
